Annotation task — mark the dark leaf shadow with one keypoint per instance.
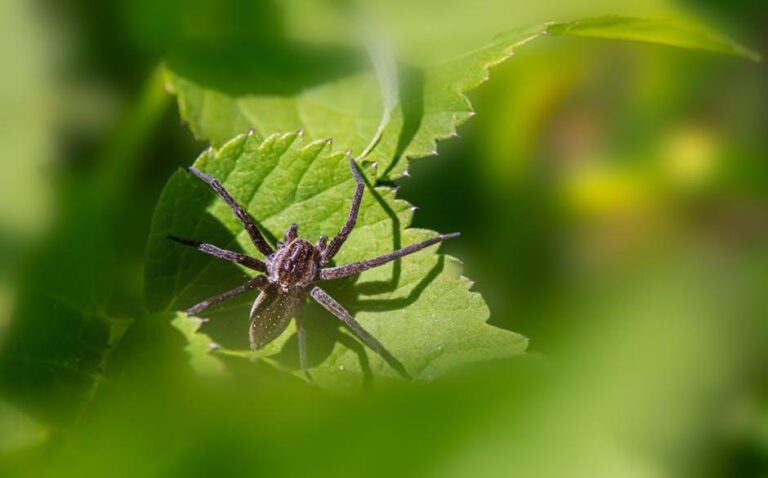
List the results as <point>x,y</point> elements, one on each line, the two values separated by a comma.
<point>243,66</point>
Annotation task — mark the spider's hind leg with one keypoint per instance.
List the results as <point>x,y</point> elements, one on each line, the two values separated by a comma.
<point>330,304</point>
<point>301,337</point>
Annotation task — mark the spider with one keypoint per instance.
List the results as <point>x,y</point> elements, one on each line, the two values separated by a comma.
<point>289,273</point>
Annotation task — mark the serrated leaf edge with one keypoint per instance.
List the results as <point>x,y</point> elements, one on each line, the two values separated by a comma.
<point>190,326</point>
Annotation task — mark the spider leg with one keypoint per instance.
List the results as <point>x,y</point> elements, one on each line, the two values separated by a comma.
<point>331,273</point>
<point>253,231</point>
<point>256,282</point>
<point>330,304</point>
<point>301,336</point>
<point>338,241</point>
<point>247,261</point>
<point>291,233</point>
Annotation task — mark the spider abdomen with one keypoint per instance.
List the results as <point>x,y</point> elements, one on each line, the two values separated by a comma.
<point>295,264</point>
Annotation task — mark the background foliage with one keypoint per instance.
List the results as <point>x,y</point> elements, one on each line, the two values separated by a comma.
<point>611,195</point>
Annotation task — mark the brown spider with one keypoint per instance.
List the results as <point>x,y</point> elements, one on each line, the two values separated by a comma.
<point>290,273</point>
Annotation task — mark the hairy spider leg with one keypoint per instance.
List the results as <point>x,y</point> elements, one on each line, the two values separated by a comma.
<point>301,337</point>
<point>223,254</point>
<point>339,272</point>
<point>256,283</point>
<point>338,241</point>
<point>330,304</point>
<point>322,244</point>
<point>245,219</point>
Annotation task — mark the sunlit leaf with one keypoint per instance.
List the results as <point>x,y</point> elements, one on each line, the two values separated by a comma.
<point>419,307</point>
<point>664,32</point>
<point>223,92</point>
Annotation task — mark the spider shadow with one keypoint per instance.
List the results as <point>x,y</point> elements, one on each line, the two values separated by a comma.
<point>357,303</point>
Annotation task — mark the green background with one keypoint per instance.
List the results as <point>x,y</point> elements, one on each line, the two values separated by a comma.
<point>612,199</point>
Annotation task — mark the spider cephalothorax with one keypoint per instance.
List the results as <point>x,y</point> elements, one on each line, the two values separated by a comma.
<point>289,274</point>
<point>295,264</point>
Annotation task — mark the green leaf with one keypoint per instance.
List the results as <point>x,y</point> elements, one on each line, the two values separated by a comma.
<point>419,307</point>
<point>662,31</point>
<point>344,103</point>
<point>62,333</point>
<point>198,346</point>
<point>385,67</point>
<point>68,317</point>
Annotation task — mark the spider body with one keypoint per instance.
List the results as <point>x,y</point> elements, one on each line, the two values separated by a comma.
<point>290,272</point>
<point>296,264</point>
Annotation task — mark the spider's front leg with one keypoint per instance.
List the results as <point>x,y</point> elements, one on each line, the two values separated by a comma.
<point>223,254</point>
<point>342,236</point>
<point>256,236</point>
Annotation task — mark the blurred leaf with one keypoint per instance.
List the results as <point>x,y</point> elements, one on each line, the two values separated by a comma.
<point>64,328</point>
<point>663,32</point>
<point>385,67</point>
<point>58,341</point>
<point>26,120</point>
<point>17,430</point>
<point>420,307</point>
<point>347,106</point>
